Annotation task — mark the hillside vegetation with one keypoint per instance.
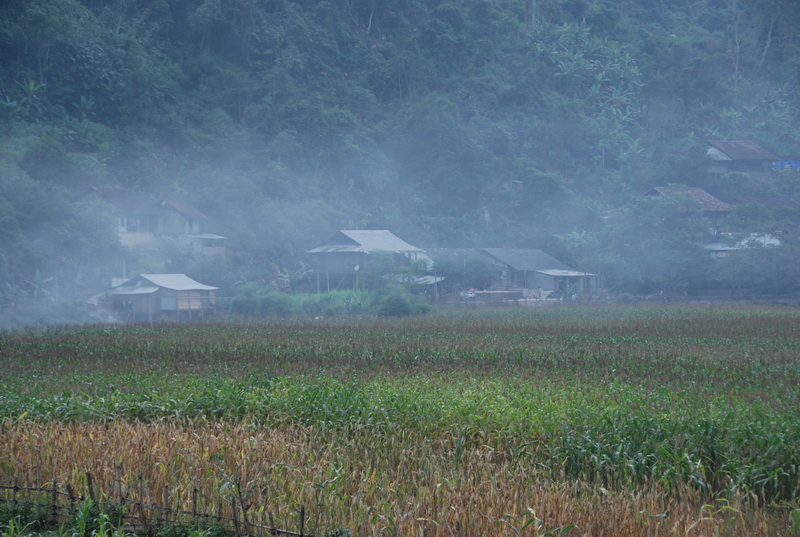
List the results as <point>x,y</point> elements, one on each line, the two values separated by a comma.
<point>525,123</point>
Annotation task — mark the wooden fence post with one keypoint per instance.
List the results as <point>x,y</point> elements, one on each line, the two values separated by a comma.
<point>302,520</point>
<point>245,507</point>
<point>118,471</point>
<point>38,483</point>
<point>167,506</point>
<point>55,501</point>
<point>142,513</point>
<point>90,486</point>
<point>235,516</point>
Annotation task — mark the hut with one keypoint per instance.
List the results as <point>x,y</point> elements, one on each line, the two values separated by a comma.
<point>162,297</point>
<point>738,156</point>
<point>339,262</point>
<point>694,198</point>
<point>535,269</point>
<point>141,220</point>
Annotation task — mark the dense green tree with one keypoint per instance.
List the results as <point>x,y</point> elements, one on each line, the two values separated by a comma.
<point>501,122</point>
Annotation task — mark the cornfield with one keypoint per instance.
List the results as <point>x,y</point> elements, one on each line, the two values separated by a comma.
<point>579,421</point>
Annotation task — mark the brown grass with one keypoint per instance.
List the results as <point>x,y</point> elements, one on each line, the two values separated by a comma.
<point>400,484</point>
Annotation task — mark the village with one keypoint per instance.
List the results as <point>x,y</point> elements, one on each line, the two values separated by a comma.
<point>352,258</point>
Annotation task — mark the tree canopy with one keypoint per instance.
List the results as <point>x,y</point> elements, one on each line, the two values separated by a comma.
<point>511,123</point>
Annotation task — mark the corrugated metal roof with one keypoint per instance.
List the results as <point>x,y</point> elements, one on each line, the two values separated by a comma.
<point>141,290</point>
<point>455,255</point>
<point>742,150</point>
<point>185,209</point>
<point>129,202</point>
<point>417,280</point>
<point>566,273</point>
<point>175,282</point>
<point>530,260</point>
<point>367,241</point>
<point>707,202</point>
<point>205,236</point>
<point>428,280</point>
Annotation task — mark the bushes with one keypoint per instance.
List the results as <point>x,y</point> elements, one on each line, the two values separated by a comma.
<point>393,306</point>
<point>330,304</point>
<point>272,304</point>
<point>397,305</point>
<point>32,516</point>
<point>335,303</point>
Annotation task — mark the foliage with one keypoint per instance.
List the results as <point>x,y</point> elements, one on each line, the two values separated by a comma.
<point>393,306</point>
<point>269,304</point>
<point>454,124</point>
<point>333,303</point>
<point>30,515</point>
<point>192,530</point>
<point>253,301</point>
<point>471,273</point>
<point>96,519</point>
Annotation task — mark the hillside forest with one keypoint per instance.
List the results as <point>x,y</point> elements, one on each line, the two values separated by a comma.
<point>452,123</point>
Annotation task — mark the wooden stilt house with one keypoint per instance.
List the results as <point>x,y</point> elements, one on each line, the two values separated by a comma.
<point>162,297</point>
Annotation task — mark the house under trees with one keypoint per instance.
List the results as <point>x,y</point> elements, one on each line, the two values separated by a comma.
<point>533,269</point>
<point>141,221</point>
<point>347,258</point>
<point>727,156</point>
<point>340,262</point>
<point>161,297</point>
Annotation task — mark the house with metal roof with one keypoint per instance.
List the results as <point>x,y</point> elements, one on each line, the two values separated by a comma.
<point>340,261</point>
<point>140,220</point>
<point>727,244</point>
<point>693,198</point>
<point>703,200</point>
<point>738,156</point>
<point>162,297</point>
<point>535,269</point>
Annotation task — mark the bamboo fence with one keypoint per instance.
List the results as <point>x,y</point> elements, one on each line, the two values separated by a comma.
<point>140,515</point>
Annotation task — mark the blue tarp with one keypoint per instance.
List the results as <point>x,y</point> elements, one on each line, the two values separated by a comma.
<point>784,164</point>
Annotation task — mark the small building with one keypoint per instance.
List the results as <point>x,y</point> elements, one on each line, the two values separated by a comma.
<point>339,262</point>
<point>464,268</point>
<point>207,244</point>
<point>711,207</point>
<point>162,297</point>
<point>738,156</point>
<point>141,220</point>
<point>534,269</point>
<point>680,193</point>
<point>729,243</point>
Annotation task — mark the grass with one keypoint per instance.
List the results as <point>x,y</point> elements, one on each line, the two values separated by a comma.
<point>618,421</point>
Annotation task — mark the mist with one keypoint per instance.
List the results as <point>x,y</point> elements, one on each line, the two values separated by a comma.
<point>276,125</point>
